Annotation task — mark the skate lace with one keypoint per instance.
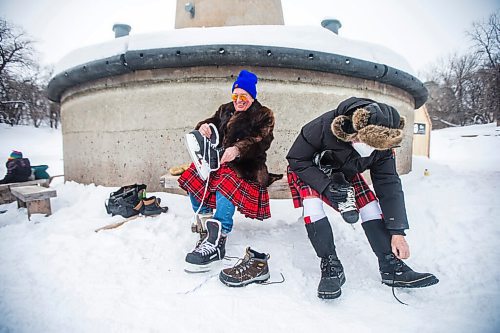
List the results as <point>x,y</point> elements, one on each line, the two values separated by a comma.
<point>207,182</point>
<point>205,248</point>
<point>350,202</point>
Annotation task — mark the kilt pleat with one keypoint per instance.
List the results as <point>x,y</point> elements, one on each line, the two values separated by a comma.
<point>251,199</point>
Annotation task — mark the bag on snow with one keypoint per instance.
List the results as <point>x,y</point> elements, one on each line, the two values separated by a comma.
<point>123,201</point>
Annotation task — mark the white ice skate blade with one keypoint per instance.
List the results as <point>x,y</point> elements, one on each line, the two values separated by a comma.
<point>192,268</point>
<point>201,166</point>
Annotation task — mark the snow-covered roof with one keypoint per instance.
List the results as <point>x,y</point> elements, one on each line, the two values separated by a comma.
<point>309,38</point>
<point>305,47</point>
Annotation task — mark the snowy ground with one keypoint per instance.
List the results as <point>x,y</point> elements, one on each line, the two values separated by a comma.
<point>58,275</point>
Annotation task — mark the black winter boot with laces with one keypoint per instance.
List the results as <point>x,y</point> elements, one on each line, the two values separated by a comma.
<point>252,268</point>
<point>332,277</point>
<point>211,249</point>
<point>394,271</point>
<point>332,273</point>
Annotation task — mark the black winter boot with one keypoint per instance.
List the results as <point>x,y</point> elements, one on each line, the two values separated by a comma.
<point>394,271</point>
<point>151,207</point>
<point>332,272</point>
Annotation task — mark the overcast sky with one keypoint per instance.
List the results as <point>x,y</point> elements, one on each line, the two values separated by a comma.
<point>422,31</point>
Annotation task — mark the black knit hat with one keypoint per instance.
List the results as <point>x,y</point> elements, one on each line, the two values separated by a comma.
<point>378,125</point>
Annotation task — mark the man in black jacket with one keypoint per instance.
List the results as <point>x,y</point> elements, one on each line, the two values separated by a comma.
<point>357,136</point>
<point>18,168</point>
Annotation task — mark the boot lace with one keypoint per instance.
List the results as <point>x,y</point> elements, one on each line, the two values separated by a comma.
<point>331,266</point>
<point>242,265</point>
<point>397,265</point>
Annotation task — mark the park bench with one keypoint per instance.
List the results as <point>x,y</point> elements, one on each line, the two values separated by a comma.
<point>278,190</point>
<point>7,197</point>
<point>35,198</point>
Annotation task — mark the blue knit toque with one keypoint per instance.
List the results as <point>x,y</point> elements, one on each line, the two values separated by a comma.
<point>247,81</point>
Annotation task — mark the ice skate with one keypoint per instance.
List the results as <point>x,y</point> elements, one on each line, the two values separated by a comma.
<point>204,152</point>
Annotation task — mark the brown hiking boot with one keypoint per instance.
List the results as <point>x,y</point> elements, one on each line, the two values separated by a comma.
<point>252,268</point>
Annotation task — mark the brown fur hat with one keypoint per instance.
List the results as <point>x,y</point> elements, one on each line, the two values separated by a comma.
<point>378,125</point>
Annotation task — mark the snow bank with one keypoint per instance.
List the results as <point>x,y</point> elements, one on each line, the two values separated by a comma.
<point>58,275</point>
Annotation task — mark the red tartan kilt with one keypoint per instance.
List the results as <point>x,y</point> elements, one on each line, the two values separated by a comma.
<point>251,199</point>
<point>299,190</point>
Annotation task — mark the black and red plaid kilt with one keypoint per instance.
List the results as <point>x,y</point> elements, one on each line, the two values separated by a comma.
<point>251,199</point>
<point>364,195</point>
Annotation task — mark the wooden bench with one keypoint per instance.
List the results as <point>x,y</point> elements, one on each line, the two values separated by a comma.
<point>35,198</point>
<point>7,197</point>
<point>278,190</point>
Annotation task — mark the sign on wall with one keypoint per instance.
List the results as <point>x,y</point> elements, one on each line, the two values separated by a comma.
<point>419,128</point>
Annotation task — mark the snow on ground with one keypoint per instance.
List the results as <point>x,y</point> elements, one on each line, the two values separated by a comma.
<point>58,275</point>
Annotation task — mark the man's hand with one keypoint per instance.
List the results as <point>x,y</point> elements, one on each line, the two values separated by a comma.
<point>229,154</point>
<point>400,247</point>
<point>205,130</point>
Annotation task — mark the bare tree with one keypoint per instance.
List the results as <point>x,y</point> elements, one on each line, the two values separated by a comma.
<point>16,49</point>
<point>486,38</point>
<point>23,82</point>
<point>465,89</point>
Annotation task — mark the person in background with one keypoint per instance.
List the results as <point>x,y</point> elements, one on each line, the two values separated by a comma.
<point>359,135</point>
<point>245,130</point>
<point>18,168</point>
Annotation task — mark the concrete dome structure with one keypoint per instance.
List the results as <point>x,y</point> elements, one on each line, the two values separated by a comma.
<point>126,104</point>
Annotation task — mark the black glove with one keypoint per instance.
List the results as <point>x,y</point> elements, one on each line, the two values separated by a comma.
<point>326,162</point>
<point>336,191</point>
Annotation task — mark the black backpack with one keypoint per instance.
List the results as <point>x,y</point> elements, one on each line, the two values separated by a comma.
<point>123,201</point>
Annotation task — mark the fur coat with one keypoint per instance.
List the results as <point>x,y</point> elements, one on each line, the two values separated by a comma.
<point>251,131</point>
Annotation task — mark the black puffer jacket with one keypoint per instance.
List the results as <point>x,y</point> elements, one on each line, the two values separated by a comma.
<point>317,136</point>
<point>18,171</point>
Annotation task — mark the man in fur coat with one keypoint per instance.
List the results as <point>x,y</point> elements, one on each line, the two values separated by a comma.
<point>245,129</point>
<point>359,135</point>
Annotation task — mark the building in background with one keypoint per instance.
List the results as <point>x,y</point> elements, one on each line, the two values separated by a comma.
<point>422,128</point>
<point>127,103</point>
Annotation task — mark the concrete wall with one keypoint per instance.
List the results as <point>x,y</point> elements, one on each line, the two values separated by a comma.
<point>219,13</point>
<point>130,128</point>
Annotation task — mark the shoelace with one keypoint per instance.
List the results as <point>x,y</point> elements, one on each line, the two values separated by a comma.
<point>205,248</point>
<point>240,260</point>
<point>398,264</point>
<point>207,182</point>
<point>333,269</point>
<point>242,265</point>
<point>350,202</point>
